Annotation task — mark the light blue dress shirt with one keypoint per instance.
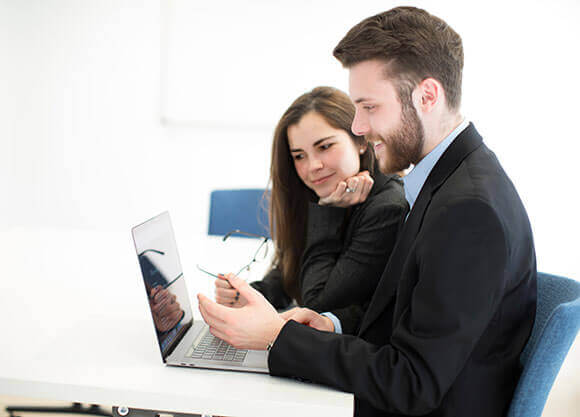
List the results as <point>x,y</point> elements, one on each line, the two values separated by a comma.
<point>414,181</point>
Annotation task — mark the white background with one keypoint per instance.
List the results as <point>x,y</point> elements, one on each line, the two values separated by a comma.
<point>114,110</point>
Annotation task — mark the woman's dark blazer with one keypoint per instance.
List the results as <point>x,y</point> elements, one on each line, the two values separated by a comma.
<point>346,251</point>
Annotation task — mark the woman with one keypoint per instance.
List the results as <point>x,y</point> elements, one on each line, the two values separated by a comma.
<point>334,217</point>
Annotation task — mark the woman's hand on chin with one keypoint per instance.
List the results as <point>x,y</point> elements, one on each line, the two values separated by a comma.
<point>352,191</point>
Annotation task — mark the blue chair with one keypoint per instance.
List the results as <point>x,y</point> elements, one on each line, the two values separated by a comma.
<point>245,210</point>
<point>555,328</point>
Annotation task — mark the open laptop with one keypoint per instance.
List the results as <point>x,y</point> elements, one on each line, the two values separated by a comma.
<point>183,341</point>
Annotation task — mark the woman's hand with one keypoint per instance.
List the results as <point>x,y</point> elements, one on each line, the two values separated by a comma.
<point>166,310</point>
<point>225,294</point>
<point>353,190</point>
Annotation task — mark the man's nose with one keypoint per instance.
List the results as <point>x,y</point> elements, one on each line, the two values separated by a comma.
<point>360,125</point>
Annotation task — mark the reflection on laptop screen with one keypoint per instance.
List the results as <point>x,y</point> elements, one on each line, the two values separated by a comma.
<point>163,279</point>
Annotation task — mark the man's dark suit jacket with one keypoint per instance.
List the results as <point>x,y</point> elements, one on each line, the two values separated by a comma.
<point>452,311</point>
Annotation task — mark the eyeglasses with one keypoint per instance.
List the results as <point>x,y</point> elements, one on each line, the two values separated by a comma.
<point>260,254</point>
<point>166,284</point>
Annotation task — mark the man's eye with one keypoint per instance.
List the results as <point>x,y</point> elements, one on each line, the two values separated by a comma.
<point>369,108</point>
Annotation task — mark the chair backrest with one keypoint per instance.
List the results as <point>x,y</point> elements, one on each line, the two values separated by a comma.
<point>243,209</point>
<point>555,328</point>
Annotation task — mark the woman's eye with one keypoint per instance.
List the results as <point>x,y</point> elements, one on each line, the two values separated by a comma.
<point>326,146</point>
<point>298,157</point>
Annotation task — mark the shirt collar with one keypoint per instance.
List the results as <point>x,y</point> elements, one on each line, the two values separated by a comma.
<point>415,179</point>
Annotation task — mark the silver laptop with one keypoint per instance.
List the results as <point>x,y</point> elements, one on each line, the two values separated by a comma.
<point>183,341</point>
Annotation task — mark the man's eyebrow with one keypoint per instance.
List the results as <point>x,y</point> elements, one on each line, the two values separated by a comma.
<point>318,142</point>
<point>360,100</point>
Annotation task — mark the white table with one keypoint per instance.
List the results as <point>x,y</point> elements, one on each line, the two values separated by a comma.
<point>76,327</point>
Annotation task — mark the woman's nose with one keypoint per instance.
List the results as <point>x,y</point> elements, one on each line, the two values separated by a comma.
<point>315,164</point>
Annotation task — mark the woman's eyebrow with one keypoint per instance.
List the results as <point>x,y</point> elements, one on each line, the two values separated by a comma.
<point>318,142</point>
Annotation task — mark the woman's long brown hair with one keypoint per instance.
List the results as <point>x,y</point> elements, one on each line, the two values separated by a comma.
<point>289,196</point>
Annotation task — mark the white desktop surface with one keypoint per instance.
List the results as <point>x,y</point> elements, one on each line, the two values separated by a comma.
<point>76,326</point>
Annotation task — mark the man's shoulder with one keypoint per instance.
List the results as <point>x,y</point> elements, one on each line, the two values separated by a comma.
<point>480,183</point>
<point>479,177</point>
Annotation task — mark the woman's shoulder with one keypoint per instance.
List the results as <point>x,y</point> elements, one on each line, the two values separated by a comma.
<point>384,206</point>
<point>387,190</point>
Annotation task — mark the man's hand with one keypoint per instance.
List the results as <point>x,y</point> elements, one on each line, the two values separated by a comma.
<point>252,326</point>
<point>309,318</point>
<point>226,295</point>
<point>353,190</point>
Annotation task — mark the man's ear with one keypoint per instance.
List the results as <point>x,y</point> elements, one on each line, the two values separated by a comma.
<point>428,94</point>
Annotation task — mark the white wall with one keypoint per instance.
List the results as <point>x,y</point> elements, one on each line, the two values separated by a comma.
<point>82,145</point>
<point>82,142</point>
<point>82,95</point>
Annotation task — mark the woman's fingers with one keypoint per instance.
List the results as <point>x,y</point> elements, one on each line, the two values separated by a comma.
<point>222,283</point>
<point>226,293</point>
<point>353,184</point>
<point>353,190</point>
<point>366,184</point>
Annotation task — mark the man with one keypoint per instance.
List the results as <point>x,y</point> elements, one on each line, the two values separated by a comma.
<point>456,302</point>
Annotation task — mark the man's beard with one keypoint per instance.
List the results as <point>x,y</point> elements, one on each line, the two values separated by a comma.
<point>405,145</point>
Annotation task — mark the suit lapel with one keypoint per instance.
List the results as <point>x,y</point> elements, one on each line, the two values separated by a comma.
<point>463,145</point>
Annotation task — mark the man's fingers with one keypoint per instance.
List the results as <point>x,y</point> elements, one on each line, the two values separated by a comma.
<point>312,319</point>
<point>210,319</point>
<point>213,313</point>
<point>289,313</point>
<point>322,323</point>
<point>302,315</point>
<point>219,334</point>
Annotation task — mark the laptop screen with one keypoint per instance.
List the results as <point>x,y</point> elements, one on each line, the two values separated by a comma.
<point>163,280</point>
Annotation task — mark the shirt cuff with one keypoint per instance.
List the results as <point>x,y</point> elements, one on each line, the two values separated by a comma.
<point>335,321</point>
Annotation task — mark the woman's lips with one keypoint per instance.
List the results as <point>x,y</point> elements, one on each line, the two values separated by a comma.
<point>321,180</point>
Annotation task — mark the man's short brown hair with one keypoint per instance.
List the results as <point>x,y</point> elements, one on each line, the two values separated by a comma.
<point>413,43</point>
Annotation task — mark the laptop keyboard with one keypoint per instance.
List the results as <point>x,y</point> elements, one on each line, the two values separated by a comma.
<point>213,348</point>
